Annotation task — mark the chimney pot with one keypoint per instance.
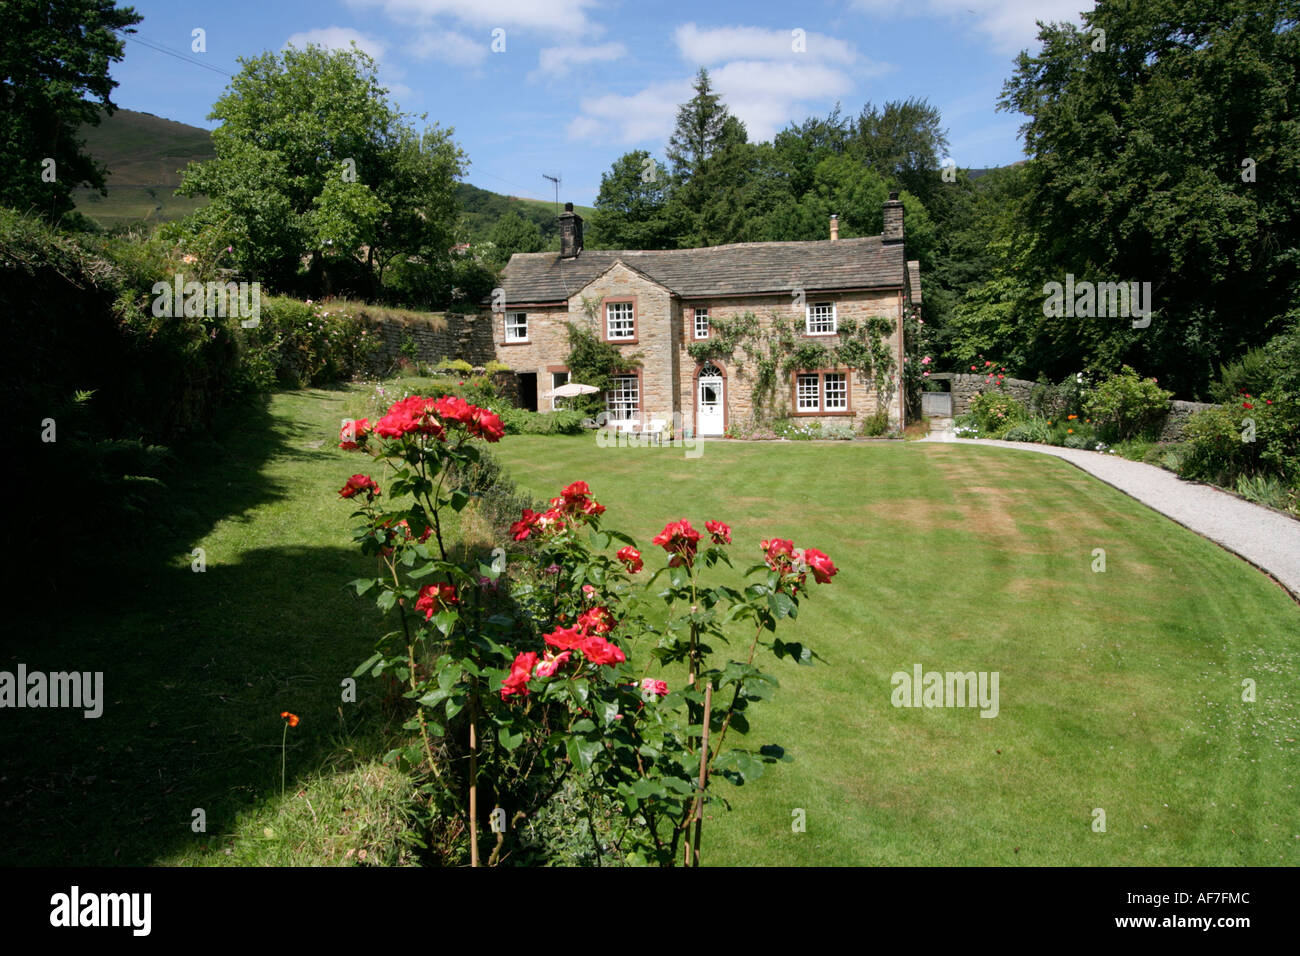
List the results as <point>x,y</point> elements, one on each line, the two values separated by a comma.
<point>835,227</point>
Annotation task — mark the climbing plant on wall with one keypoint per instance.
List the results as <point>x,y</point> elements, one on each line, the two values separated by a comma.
<point>777,348</point>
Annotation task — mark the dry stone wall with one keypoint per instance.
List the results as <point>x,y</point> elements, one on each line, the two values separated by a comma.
<point>452,335</point>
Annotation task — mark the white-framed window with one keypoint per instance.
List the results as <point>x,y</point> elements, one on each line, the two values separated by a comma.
<point>701,323</point>
<point>516,326</point>
<point>620,323</point>
<point>808,393</point>
<point>623,400</point>
<point>835,392</point>
<point>558,379</point>
<point>821,392</point>
<point>820,319</point>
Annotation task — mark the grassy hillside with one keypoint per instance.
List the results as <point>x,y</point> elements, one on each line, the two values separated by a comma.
<point>144,155</point>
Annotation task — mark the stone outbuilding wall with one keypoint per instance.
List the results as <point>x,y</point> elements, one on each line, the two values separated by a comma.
<point>1179,413</point>
<point>452,335</point>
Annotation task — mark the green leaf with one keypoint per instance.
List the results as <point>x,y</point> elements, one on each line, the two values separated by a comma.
<point>459,499</point>
<point>781,605</point>
<point>509,740</point>
<point>363,585</point>
<point>370,662</point>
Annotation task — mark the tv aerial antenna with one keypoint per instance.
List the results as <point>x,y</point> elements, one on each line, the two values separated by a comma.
<point>556,180</point>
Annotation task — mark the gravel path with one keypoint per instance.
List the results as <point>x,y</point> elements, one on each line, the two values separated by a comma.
<point>1265,538</point>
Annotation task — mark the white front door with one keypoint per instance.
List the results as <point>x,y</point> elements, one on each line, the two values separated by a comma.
<point>711,415</point>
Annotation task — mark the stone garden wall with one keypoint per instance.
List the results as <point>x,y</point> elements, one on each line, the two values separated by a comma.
<point>452,335</point>
<point>965,386</point>
<point>1179,412</point>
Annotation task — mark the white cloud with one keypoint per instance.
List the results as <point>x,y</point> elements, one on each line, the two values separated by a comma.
<point>557,61</point>
<point>644,116</point>
<point>545,16</point>
<point>338,38</point>
<point>764,95</point>
<point>1010,24</point>
<point>449,47</point>
<point>706,46</point>
<point>767,96</point>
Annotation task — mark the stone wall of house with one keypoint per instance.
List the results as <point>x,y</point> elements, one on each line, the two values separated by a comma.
<point>965,386</point>
<point>664,330</point>
<point>739,371</point>
<point>1179,413</point>
<point>452,335</point>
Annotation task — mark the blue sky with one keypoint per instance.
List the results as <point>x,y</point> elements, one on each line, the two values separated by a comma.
<point>580,82</point>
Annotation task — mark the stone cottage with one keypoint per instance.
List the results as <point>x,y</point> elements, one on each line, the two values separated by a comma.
<point>655,304</point>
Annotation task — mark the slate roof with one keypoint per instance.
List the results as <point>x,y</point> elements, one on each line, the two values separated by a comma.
<point>739,269</point>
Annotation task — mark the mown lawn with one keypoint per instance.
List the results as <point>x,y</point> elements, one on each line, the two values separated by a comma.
<point>1119,691</point>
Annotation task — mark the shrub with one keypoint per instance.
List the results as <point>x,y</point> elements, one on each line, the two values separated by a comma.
<point>1077,441</point>
<point>519,421</point>
<point>1034,430</point>
<point>796,429</point>
<point>838,430</point>
<point>1125,406</point>
<point>297,344</point>
<point>1248,438</point>
<point>995,412</point>
<point>876,424</point>
<point>1052,402</point>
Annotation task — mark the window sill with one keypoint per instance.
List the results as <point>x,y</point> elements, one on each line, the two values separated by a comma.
<point>819,335</point>
<point>846,413</point>
<point>631,341</point>
<point>517,342</point>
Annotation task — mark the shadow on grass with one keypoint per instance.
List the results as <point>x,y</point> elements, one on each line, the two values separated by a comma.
<point>197,668</point>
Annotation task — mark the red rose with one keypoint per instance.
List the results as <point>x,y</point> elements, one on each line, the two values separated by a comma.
<point>550,664</point>
<point>680,540</point>
<point>485,424</point>
<point>359,483</point>
<point>351,433</point>
<point>720,532</point>
<point>521,528</point>
<point>576,493</point>
<point>778,553</point>
<point>452,408</point>
<point>1247,405</point>
<point>565,638</point>
<point>597,620</point>
<point>436,597</point>
<point>601,652</point>
<point>630,557</point>
<point>521,672</point>
<point>822,567</point>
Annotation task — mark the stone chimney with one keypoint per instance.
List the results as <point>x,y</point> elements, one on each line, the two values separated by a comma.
<point>570,233</point>
<point>835,227</point>
<point>893,231</point>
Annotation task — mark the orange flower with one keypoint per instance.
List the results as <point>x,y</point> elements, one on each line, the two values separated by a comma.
<point>1072,417</point>
<point>292,718</point>
<point>1069,431</point>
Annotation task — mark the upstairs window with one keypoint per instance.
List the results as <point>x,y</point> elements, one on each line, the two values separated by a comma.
<point>820,319</point>
<point>620,323</point>
<point>516,326</point>
<point>701,323</point>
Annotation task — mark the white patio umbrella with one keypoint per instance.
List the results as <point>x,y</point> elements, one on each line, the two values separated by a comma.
<point>570,390</point>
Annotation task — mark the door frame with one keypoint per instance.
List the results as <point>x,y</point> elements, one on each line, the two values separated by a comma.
<point>726,410</point>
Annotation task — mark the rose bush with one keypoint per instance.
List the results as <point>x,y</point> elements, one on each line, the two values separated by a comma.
<point>526,672</point>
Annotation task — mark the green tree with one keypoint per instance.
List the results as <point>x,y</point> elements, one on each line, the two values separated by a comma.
<point>513,233</point>
<point>312,161</point>
<point>903,141</point>
<point>699,129</point>
<point>1167,151</point>
<point>54,60</point>
<point>631,210</point>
